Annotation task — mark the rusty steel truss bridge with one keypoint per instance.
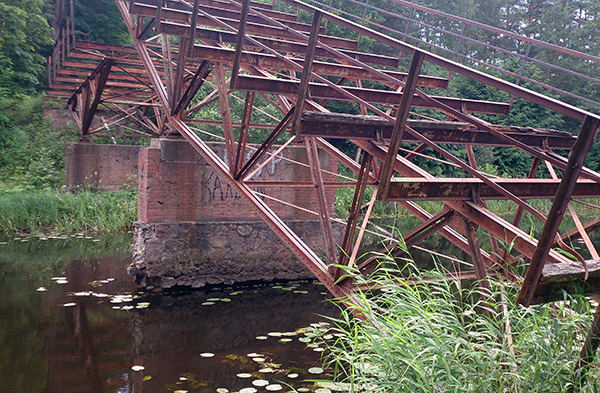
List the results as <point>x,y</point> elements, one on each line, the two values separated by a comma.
<point>244,50</point>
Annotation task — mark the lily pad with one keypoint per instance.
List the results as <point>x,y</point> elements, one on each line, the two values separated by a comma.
<point>81,294</point>
<point>262,338</point>
<point>207,303</point>
<point>226,300</point>
<point>69,304</point>
<point>265,370</point>
<point>244,375</point>
<point>315,370</point>
<point>304,339</point>
<point>292,376</point>
<point>322,390</point>
<point>285,340</point>
<point>248,390</point>
<point>147,378</point>
<point>207,355</point>
<point>274,387</point>
<point>318,349</point>
<point>260,382</point>
<point>222,390</point>
<point>254,355</point>
<point>138,368</point>
<point>303,390</point>
<point>42,289</point>
<point>259,360</point>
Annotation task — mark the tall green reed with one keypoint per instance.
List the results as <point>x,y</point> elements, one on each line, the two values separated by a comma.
<point>436,338</point>
<point>47,211</point>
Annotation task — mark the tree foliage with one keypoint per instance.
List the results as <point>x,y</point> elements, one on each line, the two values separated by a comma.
<point>24,45</point>
<point>100,21</point>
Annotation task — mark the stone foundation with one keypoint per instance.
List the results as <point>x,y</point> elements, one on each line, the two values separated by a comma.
<point>216,253</point>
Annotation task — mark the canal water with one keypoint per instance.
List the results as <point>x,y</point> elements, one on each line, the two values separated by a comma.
<point>72,320</point>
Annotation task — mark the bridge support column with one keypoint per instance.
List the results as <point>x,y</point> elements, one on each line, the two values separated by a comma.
<point>194,230</point>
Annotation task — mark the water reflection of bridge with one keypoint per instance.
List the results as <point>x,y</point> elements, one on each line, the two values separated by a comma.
<point>259,55</point>
<point>91,347</point>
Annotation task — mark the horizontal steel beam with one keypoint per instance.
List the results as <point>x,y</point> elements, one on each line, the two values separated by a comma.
<point>317,90</point>
<point>343,126</point>
<point>452,189</point>
<point>266,61</point>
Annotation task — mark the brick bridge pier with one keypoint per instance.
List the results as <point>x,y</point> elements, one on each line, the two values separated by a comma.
<point>194,229</point>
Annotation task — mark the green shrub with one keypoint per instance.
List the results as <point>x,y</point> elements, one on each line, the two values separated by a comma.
<point>32,151</point>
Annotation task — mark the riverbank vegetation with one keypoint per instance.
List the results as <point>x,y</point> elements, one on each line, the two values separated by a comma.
<point>55,211</point>
<point>32,200</point>
<point>450,337</point>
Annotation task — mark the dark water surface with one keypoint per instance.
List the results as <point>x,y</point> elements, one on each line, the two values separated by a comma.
<point>67,325</point>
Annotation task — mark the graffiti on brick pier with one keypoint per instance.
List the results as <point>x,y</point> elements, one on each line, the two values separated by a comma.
<point>213,188</point>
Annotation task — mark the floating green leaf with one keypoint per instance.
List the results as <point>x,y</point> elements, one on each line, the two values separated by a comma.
<point>260,382</point>
<point>315,370</point>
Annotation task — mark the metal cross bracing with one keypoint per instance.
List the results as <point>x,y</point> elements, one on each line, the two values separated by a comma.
<point>248,52</point>
<point>457,38</point>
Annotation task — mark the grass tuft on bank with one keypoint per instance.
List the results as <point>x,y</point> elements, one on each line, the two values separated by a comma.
<point>55,211</point>
<point>436,338</point>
